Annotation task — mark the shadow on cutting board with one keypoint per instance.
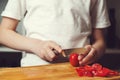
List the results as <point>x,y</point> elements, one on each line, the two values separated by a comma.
<point>111,61</point>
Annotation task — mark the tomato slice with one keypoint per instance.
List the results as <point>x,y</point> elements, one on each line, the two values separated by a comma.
<point>113,73</point>
<point>87,73</point>
<point>97,66</point>
<point>95,70</point>
<point>101,73</point>
<point>89,68</point>
<point>80,71</point>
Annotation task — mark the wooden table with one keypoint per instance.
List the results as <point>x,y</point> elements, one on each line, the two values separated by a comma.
<point>59,71</point>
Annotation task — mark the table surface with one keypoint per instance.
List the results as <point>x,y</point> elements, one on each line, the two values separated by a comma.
<point>59,71</point>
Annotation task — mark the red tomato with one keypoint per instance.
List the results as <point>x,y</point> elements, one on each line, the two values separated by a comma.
<point>113,73</point>
<point>80,71</point>
<point>83,72</point>
<point>89,68</point>
<point>88,73</point>
<point>97,66</point>
<point>100,73</point>
<point>96,70</point>
<point>74,59</point>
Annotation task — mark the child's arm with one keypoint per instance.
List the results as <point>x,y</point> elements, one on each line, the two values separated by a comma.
<point>10,38</point>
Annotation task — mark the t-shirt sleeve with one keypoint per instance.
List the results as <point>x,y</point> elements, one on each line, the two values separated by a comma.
<point>99,15</point>
<point>15,9</point>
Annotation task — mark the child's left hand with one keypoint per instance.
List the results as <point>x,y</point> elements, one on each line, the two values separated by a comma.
<point>89,56</point>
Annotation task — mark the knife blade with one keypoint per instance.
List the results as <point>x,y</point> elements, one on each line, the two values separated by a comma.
<point>67,52</point>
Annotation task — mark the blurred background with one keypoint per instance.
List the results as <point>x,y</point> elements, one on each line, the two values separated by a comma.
<point>11,58</point>
<point>113,37</point>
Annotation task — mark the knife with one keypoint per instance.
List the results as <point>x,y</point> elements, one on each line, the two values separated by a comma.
<point>67,52</point>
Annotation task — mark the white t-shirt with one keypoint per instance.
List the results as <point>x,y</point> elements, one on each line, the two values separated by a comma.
<point>67,22</point>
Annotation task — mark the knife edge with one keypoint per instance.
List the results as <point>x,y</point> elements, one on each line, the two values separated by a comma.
<point>67,52</point>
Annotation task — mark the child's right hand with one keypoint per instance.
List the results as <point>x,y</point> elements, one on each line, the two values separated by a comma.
<point>44,49</point>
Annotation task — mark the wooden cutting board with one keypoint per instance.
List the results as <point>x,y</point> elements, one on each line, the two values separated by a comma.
<point>59,71</point>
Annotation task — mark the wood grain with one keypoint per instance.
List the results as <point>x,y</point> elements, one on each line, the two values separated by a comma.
<point>59,71</point>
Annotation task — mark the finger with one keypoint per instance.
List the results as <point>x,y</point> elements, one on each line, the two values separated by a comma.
<point>45,55</point>
<point>42,54</point>
<point>89,58</point>
<point>88,48</point>
<point>55,46</point>
<point>80,57</point>
<point>47,58</point>
<point>55,52</point>
<point>50,55</point>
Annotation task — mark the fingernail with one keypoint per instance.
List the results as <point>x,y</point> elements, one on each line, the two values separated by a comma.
<point>56,52</point>
<point>80,62</point>
<point>80,57</point>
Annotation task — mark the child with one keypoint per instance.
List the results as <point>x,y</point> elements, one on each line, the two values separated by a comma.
<point>55,24</point>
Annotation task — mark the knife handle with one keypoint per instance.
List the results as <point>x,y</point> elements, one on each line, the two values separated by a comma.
<point>55,51</point>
